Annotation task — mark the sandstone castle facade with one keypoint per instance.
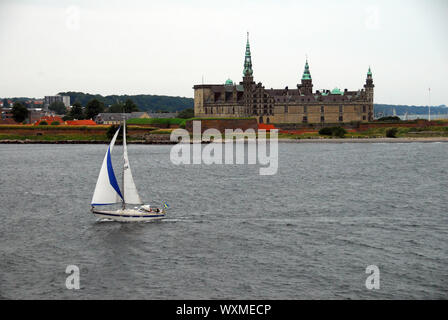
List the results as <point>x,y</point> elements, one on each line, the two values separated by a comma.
<point>299,105</point>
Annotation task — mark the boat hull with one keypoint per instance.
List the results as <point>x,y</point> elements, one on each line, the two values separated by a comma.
<point>128,215</point>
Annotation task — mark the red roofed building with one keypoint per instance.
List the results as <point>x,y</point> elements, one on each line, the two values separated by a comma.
<point>50,119</point>
<point>80,123</point>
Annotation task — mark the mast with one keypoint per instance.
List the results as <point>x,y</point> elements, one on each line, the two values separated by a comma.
<point>124,160</point>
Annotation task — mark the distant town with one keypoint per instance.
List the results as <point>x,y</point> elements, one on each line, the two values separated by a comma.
<point>61,109</point>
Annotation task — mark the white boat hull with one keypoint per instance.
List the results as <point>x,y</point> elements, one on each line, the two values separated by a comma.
<point>128,215</point>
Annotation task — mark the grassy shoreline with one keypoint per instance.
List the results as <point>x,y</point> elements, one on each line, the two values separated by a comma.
<point>137,134</point>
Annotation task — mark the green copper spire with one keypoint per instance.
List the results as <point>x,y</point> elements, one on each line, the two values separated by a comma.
<point>247,60</point>
<point>306,72</point>
<point>369,73</point>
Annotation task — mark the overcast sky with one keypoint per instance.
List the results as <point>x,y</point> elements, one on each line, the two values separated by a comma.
<point>165,47</point>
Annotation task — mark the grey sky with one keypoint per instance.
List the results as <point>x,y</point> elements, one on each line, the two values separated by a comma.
<point>165,47</point>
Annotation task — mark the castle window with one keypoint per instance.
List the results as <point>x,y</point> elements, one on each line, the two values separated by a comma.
<point>322,119</point>
<point>322,109</point>
<point>340,108</point>
<point>305,119</point>
<point>267,120</point>
<point>363,117</point>
<point>286,109</point>
<point>363,108</point>
<point>305,109</point>
<point>341,118</point>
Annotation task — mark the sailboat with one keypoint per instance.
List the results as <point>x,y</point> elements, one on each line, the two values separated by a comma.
<point>107,191</point>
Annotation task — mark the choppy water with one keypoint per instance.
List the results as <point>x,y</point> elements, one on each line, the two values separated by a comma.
<point>308,232</point>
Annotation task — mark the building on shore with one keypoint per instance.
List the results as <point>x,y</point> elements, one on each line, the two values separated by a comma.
<point>297,105</point>
<point>117,118</point>
<point>58,98</point>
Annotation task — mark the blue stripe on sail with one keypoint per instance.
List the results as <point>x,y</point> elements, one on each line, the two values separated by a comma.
<point>112,178</point>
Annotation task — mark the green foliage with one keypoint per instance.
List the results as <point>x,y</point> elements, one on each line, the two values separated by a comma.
<point>55,123</point>
<point>43,123</point>
<point>130,106</point>
<point>76,112</point>
<point>339,132</point>
<point>116,108</point>
<point>390,119</point>
<point>333,131</point>
<point>67,117</point>
<point>186,114</point>
<point>59,128</point>
<point>326,131</point>
<point>19,112</point>
<point>111,131</point>
<point>144,102</point>
<point>166,121</point>
<point>93,108</point>
<point>58,107</point>
<point>127,107</point>
<point>391,132</point>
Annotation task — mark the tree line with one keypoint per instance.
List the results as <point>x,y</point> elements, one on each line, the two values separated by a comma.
<point>77,112</point>
<point>145,102</point>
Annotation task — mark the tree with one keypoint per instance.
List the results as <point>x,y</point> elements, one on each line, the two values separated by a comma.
<point>117,107</point>
<point>130,106</point>
<point>43,123</point>
<point>333,131</point>
<point>186,114</point>
<point>19,112</point>
<point>58,107</point>
<point>391,132</point>
<point>76,112</point>
<point>390,118</point>
<point>339,132</point>
<point>93,107</point>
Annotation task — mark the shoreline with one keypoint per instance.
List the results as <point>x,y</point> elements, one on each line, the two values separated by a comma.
<point>282,140</point>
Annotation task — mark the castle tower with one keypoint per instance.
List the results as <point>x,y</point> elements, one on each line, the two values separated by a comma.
<point>369,94</point>
<point>307,82</point>
<point>248,79</point>
<point>369,86</point>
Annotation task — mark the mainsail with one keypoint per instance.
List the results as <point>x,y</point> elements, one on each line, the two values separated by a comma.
<point>107,190</point>
<point>130,193</point>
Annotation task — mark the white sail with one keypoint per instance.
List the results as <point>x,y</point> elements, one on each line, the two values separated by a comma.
<point>130,192</point>
<point>107,190</point>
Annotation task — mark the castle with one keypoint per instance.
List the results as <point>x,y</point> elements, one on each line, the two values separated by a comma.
<point>300,105</point>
